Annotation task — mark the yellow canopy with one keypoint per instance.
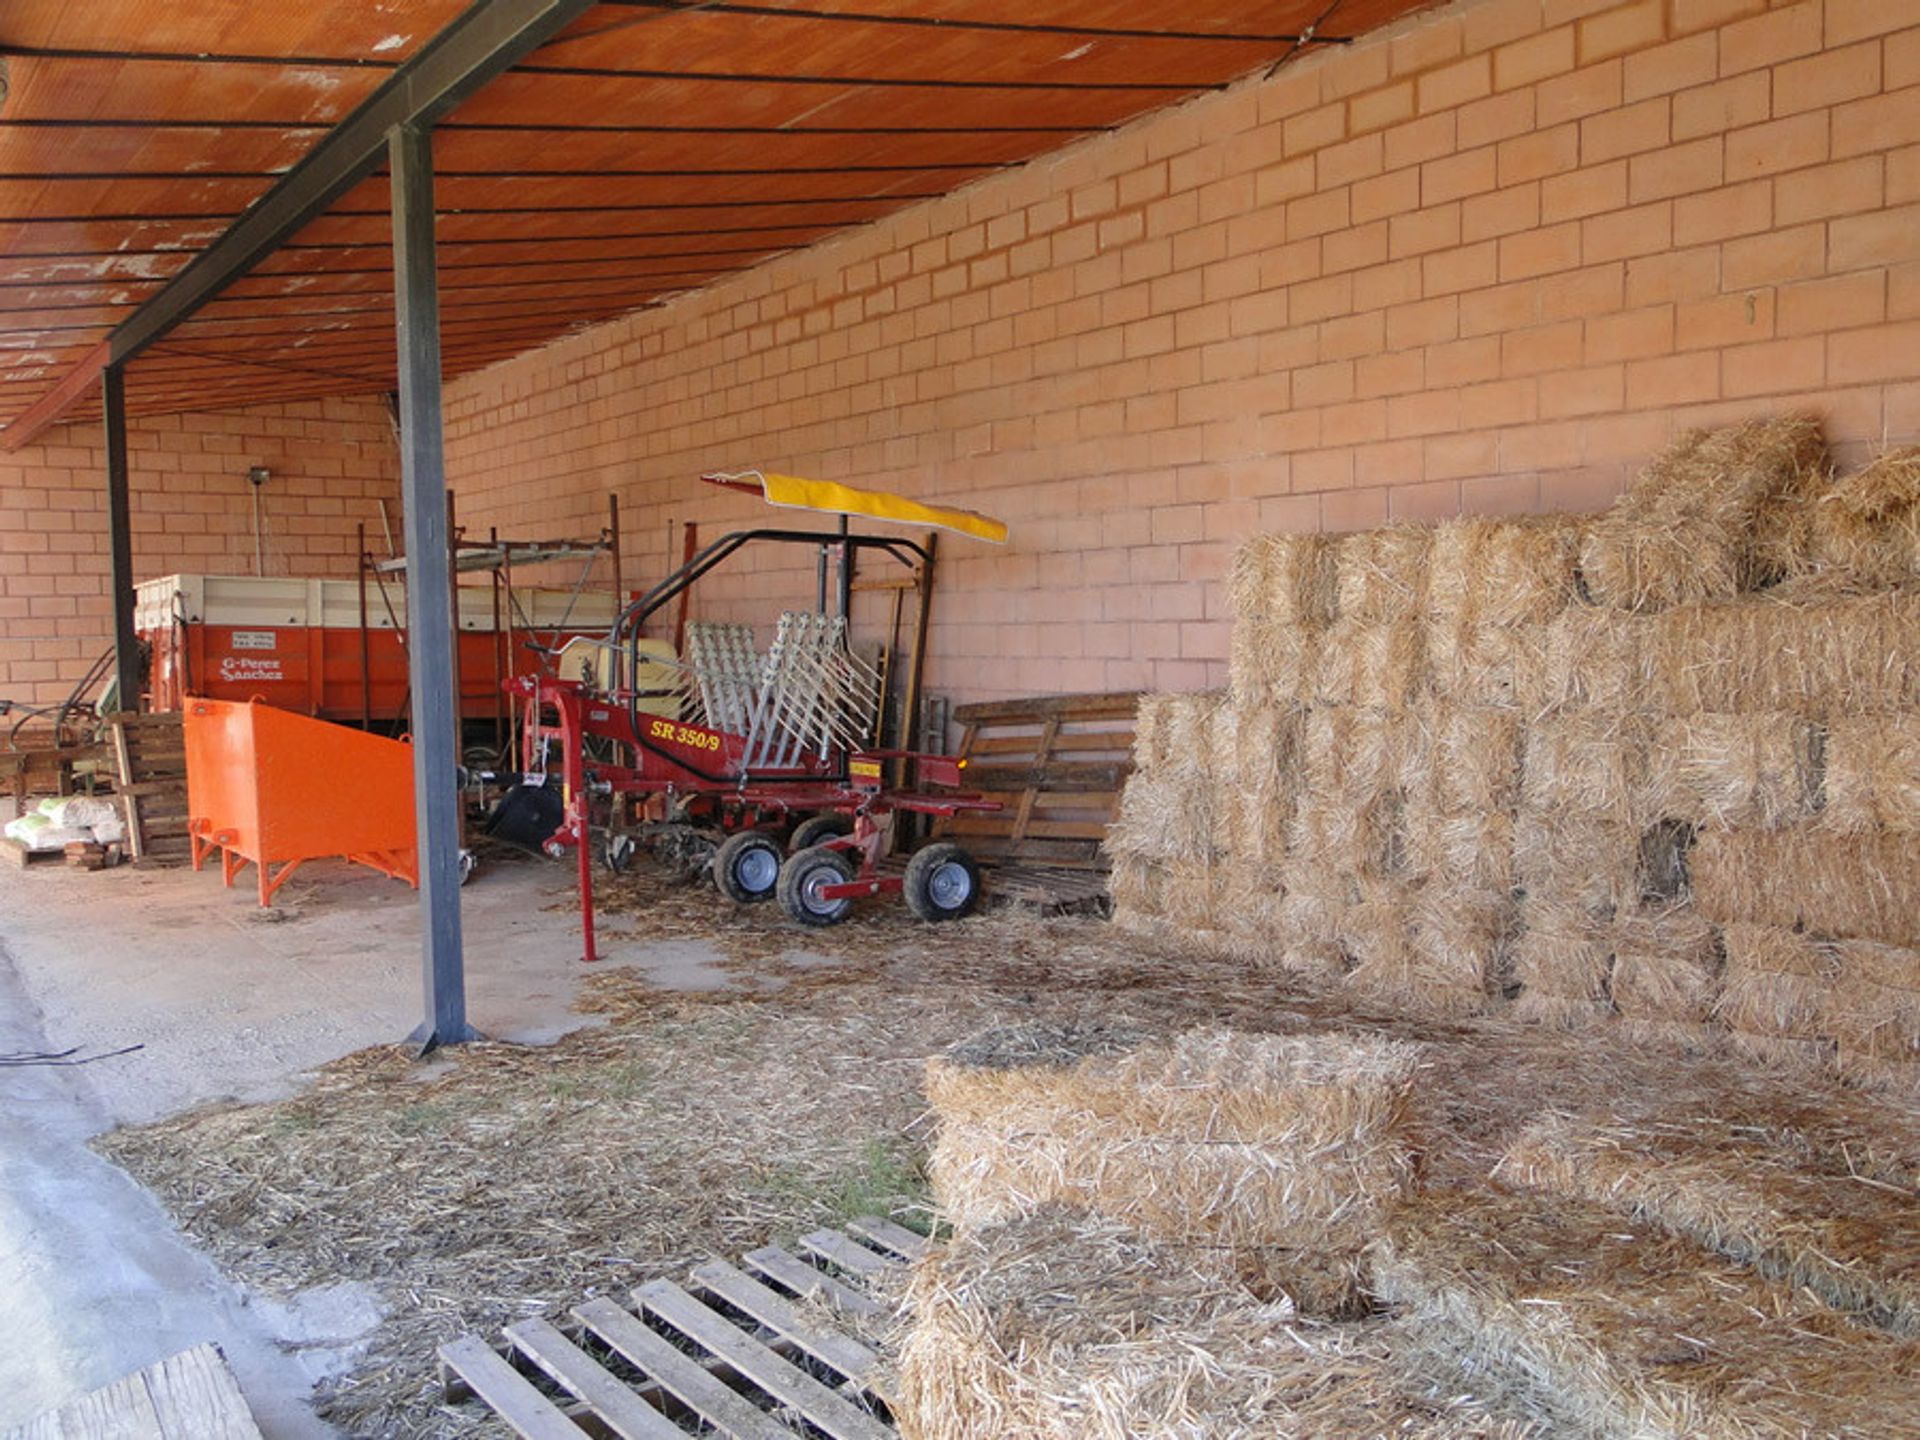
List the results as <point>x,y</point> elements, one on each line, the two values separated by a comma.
<point>832,498</point>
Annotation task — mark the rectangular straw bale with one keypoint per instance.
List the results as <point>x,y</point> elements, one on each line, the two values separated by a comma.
<point>1589,765</point>
<point>1777,982</point>
<point>1433,954</point>
<point>1381,575</point>
<point>1590,864</point>
<point>1060,1326</point>
<point>1488,665</point>
<point>1598,658</point>
<point>1502,572</point>
<point>1476,757</point>
<point>1267,745</point>
<point>1162,818</point>
<point>1220,774</point>
<point>1137,886</point>
<point>1310,915</point>
<point>1700,522</point>
<point>1152,718</point>
<point>1666,966</point>
<point>1757,770</point>
<point>1872,774</point>
<point>1271,664</point>
<point>1867,525</point>
<point>1863,887</point>
<point>1855,1246</point>
<point>1363,662</point>
<point>1564,953</point>
<point>1802,649</point>
<point>1272,1154</point>
<point>1283,580</point>
<point>1465,849</point>
<point>1872,1005</point>
<point>1249,901</point>
<point>1621,1331</point>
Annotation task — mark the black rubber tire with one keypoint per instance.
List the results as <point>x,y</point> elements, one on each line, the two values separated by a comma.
<point>815,828</point>
<point>815,866</point>
<point>942,883</point>
<point>746,867</point>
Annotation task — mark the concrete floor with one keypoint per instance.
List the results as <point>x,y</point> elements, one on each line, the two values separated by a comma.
<point>226,1001</point>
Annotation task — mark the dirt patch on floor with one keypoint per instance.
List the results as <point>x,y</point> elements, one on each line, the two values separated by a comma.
<point>505,1182</point>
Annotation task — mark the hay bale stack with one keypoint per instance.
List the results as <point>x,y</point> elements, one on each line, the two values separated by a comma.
<point>1872,1012</point>
<point>1163,843</point>
<point>1666,972</point>
<point>1503,573</point>
<point>1597,659</point>
<point>1716,515</point>
<point>1867,526</point>
<point>1060,1326</point>
<point>1283,579</point>
<point>1619,1330</point>
<point>1563,965</point>
<point>1775,986</point>
<point>1805,647</point>
<point>1492,587</point>
<point>1760,770</point>
<point>1375,664</point>
<point>1871,780</point>
<point>1864,887</point>
<point>1280,590</point>
<point>1273,1155</point>
<point>1855,1246</point>
<point>1380,576</point>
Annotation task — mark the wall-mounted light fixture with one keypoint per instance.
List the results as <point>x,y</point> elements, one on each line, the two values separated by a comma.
<point>257,477</point>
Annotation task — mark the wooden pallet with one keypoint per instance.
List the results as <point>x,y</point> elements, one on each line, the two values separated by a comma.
<point>37,768</point>
<point>150,758</point>
<point>189,1396</point>
<point>1057,764</point>
<point>20,857</point>
<point>733,1351</point>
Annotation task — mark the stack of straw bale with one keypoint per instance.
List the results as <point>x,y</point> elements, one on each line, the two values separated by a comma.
<point>1851,1241</point>
<point>1571,762</point>
<point>1621,1330</point>
<point>1062,1326</point>
<point>1267,1159</point>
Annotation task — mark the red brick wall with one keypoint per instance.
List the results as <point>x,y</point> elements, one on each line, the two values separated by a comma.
<point>1489,260</point>
<point>332,462</point>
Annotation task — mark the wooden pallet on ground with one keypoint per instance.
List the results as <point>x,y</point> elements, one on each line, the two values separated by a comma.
<point>1057,764</point>
<point>38,767</point>
<point>735,1350</point>
<point>20,857</point>
<point>150,757</point>
<point>189,1396</point>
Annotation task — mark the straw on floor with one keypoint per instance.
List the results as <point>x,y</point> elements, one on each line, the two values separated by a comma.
<point>1854,1244</point>
<point>1627,1332</point>
<point>1062,1326</point>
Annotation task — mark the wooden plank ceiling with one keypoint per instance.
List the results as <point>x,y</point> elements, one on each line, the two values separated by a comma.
<point>651,148</point>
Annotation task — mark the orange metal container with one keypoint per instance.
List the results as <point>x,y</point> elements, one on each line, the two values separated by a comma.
<point>274,788</point>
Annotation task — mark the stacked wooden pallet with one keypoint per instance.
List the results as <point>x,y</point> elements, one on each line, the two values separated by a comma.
<point>150,758</point>
<point>738,1350</point>
<point>1057,764</point>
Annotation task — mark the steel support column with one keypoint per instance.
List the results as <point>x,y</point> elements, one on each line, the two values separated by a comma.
<point>430,624</point>
<point>126,644</point>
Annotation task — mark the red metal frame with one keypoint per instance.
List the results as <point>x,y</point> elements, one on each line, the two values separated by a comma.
<point>681,761</point>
